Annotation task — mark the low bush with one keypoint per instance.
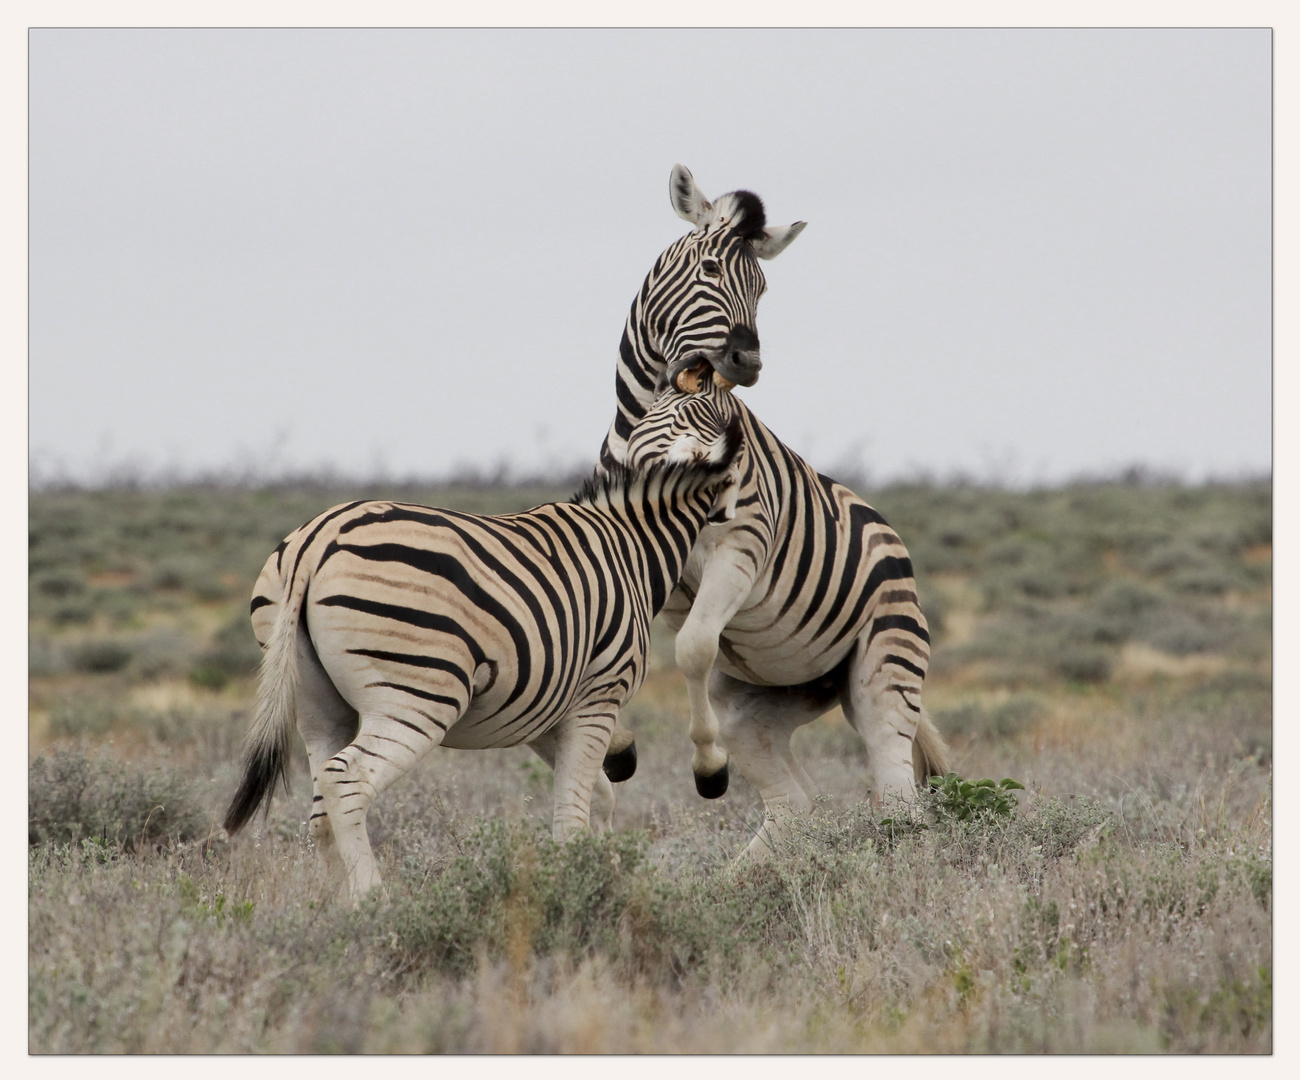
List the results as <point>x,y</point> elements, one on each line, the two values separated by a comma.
<point>101,656</point>
<point>1004,720</point>
<point>72,797</point>
<point>965,800</point>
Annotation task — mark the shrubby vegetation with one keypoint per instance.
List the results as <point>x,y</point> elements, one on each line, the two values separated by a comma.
<point>1108,645</point>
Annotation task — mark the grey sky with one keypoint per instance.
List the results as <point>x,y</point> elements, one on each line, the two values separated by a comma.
<point>1029,253</point>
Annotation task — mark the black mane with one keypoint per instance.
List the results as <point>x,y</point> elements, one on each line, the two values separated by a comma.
<point>751,218</point>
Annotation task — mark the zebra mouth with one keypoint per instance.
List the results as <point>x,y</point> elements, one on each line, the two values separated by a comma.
<point>690,374</point>
<point>693,379</point>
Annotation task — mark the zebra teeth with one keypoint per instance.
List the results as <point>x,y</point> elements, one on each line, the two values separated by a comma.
<point>722,382</point>
<point>690,381</point>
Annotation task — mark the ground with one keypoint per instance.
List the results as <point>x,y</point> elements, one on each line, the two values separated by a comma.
<point>1107,645</point>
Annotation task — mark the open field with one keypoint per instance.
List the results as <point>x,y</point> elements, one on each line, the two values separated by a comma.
<point>1109,645</point>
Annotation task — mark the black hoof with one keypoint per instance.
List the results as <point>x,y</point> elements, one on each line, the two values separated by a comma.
<point>712,787</point>
<point>619,767</point>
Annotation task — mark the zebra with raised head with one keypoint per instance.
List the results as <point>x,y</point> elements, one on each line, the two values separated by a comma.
<point>697,303</point>
<point>806,597</point>
<point>390,629</point>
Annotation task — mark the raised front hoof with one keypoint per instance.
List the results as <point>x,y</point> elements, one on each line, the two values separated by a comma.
<point>712,787</point>
<point>621,766</point>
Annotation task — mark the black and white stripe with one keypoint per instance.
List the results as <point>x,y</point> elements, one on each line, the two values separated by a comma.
<point>698,303</point>
<point>804,596</point>
<point>390,629</point>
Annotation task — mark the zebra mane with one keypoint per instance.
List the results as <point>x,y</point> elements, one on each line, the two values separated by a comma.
<point>617,479</point>
<point>750,217</point>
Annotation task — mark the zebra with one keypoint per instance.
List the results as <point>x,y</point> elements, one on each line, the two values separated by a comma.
<point>697,303</point>
<point>390,628</point>
<point>806,596</point>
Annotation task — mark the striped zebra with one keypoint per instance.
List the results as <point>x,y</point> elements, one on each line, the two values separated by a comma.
<point>390,629</point>
<point>806,597</point>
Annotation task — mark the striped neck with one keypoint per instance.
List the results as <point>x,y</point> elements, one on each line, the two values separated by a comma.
<point>636,381</point>
<point>663,510</point>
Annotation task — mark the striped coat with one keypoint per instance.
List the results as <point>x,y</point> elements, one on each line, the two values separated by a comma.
<point>390,629</point>
<point>806,597</point>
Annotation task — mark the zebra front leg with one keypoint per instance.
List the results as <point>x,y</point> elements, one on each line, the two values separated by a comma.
<point>579,742</point>
<point>603,798</point>
<point>723,589</point>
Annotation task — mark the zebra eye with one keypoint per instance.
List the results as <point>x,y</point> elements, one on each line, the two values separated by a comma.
<point>711,267</point>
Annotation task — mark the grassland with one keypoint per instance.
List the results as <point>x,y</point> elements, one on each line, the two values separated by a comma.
<point>1107,644</point>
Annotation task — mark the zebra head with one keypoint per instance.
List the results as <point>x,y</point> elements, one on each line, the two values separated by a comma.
<point>693,428</point>
<point>701,300</point>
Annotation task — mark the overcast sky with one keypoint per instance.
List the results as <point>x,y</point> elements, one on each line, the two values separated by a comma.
<point>1030,254</point>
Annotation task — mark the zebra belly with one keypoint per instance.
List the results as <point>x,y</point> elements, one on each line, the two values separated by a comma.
<point>484,728</point>
<point>756,659</point>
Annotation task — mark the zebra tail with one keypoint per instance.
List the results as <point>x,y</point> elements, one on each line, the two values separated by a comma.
<point>269,744</point>
<point>929,753</point>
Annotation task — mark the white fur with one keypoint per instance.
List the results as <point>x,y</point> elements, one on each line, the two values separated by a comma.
<point>687,199</point>
<point>776,239</point>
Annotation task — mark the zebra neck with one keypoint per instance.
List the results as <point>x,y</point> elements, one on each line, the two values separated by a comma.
<point>635,384</point>
<point>664,549</point>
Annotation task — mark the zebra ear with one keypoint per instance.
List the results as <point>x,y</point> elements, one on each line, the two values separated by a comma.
<point>687,199</point>
<point>776,239</point>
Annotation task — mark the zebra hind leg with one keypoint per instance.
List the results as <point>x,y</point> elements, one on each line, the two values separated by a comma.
<point>327,723</point>
<point>757,723</point>
<point>386,747</point>
<point>882,700</point>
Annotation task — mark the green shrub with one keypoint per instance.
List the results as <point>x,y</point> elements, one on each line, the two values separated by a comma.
<point>72,613</point>
<point>514,891</point>
<point>86,714</point>
<point>72,797</point>
<point>234,654</point>
<point>1001,721</point>
<point>963,800</point>
<point>58,583</point>
<point>101,656</point>
<point>1081,663</point>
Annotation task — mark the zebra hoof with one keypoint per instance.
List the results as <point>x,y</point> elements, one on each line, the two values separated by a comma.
<point>619,767</point>
<point>712,787</point>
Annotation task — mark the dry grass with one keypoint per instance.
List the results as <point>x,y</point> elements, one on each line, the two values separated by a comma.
<point>1125,908</point>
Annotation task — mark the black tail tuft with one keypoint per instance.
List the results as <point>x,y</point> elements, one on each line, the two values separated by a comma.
<point>261,771</point>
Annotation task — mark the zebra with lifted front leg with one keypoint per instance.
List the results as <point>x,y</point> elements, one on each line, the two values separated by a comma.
<point>390,629</point>
<point>805,596</point>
